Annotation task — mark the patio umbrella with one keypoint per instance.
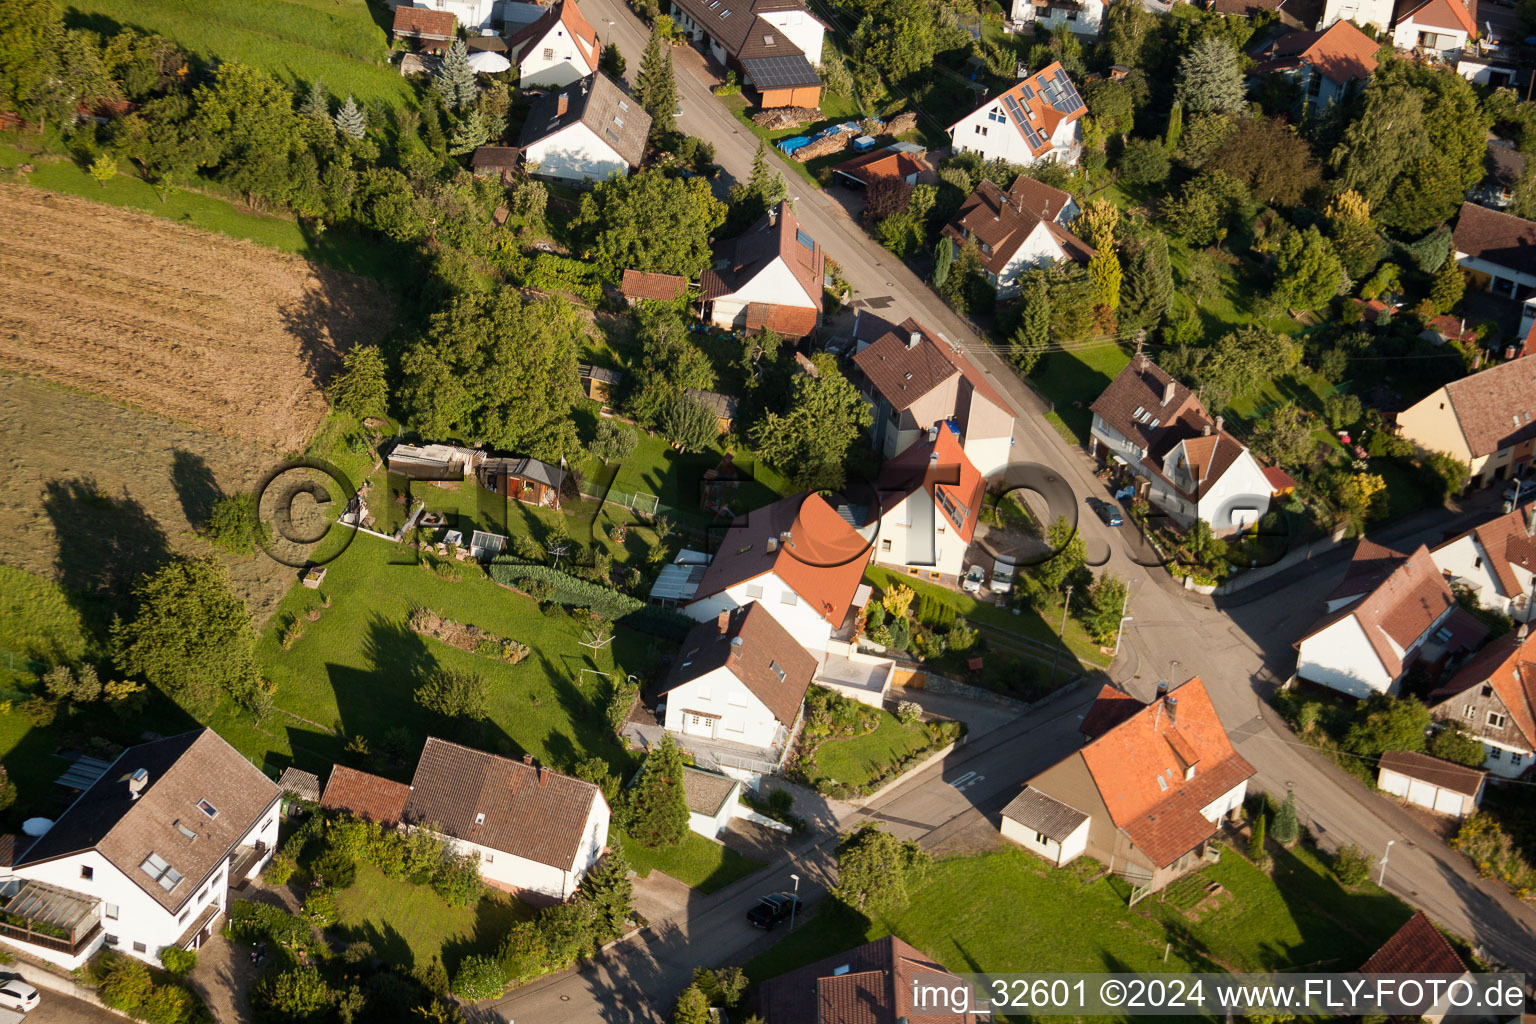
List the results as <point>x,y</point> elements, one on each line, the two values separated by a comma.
<point>486,62</point>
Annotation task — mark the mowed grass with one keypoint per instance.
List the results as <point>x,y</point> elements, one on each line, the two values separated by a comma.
<point>354,672</point>
<point>858,759</point>
<point>1070,379</point>
<point>38,623</point>
<point>409,924</point>
<point>335,248</point>
<point>1007,911</point>
<point>343,43</point>
<point>697,862</point>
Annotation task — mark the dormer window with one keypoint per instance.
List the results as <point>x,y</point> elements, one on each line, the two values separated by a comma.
<point>777,670</point>
<point>480,819</point>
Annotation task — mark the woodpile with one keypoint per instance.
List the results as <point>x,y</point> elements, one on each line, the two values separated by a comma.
<point>901,124</point>
<point>825,146</point>
<point>780,118</point>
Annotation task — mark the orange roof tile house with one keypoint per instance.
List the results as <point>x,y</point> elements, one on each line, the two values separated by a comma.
<point>930,501</point>
<point>771,277</point>
<point>1037,119</point>
<point>1328,66</point>
<point>1145,797</point>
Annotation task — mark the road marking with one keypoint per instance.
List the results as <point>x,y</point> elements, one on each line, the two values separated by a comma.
<point>966,781</point>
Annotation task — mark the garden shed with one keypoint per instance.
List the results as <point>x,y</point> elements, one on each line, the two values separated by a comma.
<point>712,800</point>
<point>1440,786</point>
<point>527,480</point>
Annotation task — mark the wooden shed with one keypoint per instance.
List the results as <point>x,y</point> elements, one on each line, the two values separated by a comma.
<point>526,480</point>
<point>492,160</point>
<point>723,406</point>
<point>599,383</point>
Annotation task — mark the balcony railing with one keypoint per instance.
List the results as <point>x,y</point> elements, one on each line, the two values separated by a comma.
<point>67,946</point>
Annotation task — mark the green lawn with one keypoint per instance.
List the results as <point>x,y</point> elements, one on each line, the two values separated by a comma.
<point>657,469</point>
<point>354,671</point>
<point>409,924</point>
<point>700,863</point>
<point>858,759</point>
<point>836,109</point>
<point>1071,379</point>
<point>1006,911</point>
<point>343,43</point>
<point>336,248</point>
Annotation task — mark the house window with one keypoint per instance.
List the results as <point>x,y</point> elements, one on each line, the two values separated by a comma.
<point>934,574</point>
<point>109,910</point>
<point>479,819</point>
<point>1469,711</point>
<point>996,115</point>
<point>1477,563</point>
<point>549,53</point>
<point>1495,720</point>
<point>788,597</point>
<point>1162,783</point>
<point>1495,754</point>
<point>1042,839</point>
<point>754,590</point>
<point>201,894</point>
<point>208,808</point>
<point>164,875</point>
<point>489,858</point>
<point>139,947</point>
<point>1487,691</point>
<point>110,940</point>
<point>185,831</point>
<point>1515,758</point>
<point>183,918</point>
<point>87,872</point>
<point>885,545</point>
<point>777,670</point>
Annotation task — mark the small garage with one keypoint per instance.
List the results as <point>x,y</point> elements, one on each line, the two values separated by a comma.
<point>1428,782</point>
<point>712,801</point>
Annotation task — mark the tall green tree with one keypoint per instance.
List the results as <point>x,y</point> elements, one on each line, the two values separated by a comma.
<point>161,140</point>
<point>1353,235</point>
<point>1211,78</point>
<point>1449,285</point>
<point>763,190</point>
<point>692,1007</point>
<point>248,115</point>
<point>1069,559</point>
<point>1287,828</point>
<point>689,424</point>
<point>190,636</point>
<point>1104,271</point>
<point>649,221</point>
<point>1147,289</point>
<point>609,893</point>
<point>454,82</point>
<point>1032,337</point>
<point>670,362</point>
<point>498,369</point>
<point>317,103</point>
<point>656,86</point>
<point>1274,163</point>
<point>350,121</point>
<point>657,816</point>
<point>28,29</point>
<point>362,386</point>
<point>1105,604</point>
<point>1307,271</point>
<point>1384,723</point>
<point>810,441</point>
<point>876,872</point>
<point>612,62</point>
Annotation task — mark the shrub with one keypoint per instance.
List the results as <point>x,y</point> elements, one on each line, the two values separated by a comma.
<point>458,881</point>
<point>479,977</point>
<point>320,906</point>
<point>335,869</point>
<point>297,993</point>
<point>235,524</point>
<point>125,982</point>
<point>620,703</point>
<point>908,712</point>
<point>568,590</point>
<point>1287,829</point>
<point>177,962</point>
<point>169,1004</point>
<point>1352,865</point>
<point>898,599</point>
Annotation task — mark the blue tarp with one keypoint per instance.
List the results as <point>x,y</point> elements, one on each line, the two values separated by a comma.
<point>791,144</point>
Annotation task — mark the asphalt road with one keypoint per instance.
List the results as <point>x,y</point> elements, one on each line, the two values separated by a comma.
<point>1239,648</point>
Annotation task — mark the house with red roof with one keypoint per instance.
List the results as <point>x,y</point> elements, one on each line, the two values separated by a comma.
<point>798,557</point>
<point>1493,697</point>
<point>876,983</point>
<point>1496,561</point>
<point>1390,611</point>
<point>1038,119</point>
<point>1156,436</point>
<point>1486,420</point>
<point>1145,797</point>
<point>900,161</point>
<point>1418,947</point>
<point>769,278</point>
<point>1017,230</point>
<point>1328,66</point>
<point>430,30</point>
<point>1435,28</point>
<point>917,381</point>
<point>555,49</point>
<point>930,500</point>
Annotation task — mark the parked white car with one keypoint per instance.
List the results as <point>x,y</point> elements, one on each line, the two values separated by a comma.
<point>16,994</point>
<point>973,579</point>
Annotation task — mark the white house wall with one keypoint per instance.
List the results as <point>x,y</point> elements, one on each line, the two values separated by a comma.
<point>1465,560</point>
<point>996,140</point>
<point>1511,761</point>
<point>989,454</point>
<point>775,284</point>
<point>472,14</point>
<point>1361,12</point>
<point>1503,273</point>
<point>1341,657</point>
<point>916,533</point>
<point>1038,249</point>
<point>801,619</point>
<point>1225,804</point>
<point>1086,22</point>
<point>800,28</point>
<point>1054,853</point>
<point>1448,41</point>
<point>739,715</point>
<point>563,66</point>
<point>1240,491</point>
<point>510,872</point>
<point>575,154</point>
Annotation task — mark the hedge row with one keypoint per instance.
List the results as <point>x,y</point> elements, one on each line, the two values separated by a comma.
<point>605,601</point>
<point>549,272</point>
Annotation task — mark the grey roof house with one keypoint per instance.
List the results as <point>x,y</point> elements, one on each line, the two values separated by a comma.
<point>586,132</point>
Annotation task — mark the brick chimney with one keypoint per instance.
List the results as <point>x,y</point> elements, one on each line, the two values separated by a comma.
<point>528,759</point>
<point>723,620</point>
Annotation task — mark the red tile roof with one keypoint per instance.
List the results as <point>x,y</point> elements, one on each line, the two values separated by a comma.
<point>1497,237</point>
<point>777,235</point>
<point>764,645</point>
<point>870,984</point>
<point>1496,407</point>
<point>1416,948</point>
<point>883,163</point>
<point>1368,566</point>
<point>1507,664</point>
<point>1108,710</point>
<point>1446,14</point>
<point>940,468</point>
<point>502,804</point>
<point>1140,767</point>
<point>1030,96</point>
<point>789,321</point>
<point>367,796</point>
<point>1000,222</point>
<point>421,23</point>
<point>903,372</point>
<point>1341,53</point>
<point>637,284</point>
<point>1507,541</point>
<point>1279,479</point>
<point>822,561</point>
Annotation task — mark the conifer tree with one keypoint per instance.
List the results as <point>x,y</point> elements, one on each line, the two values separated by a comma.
<point>1147,288</point>
<point>656,88</point>
<point>455,81</point>
<point>1256,852</point>
<point>317,104</point>
<point>469,134</point>
<point>1175,127</point>
<point>1287,829</point>
<point>1033,336</point>
<point>350,120</point>
<point>608,894</point>
<point>1104,271</point>
<point>1448,287</point>
<point>658,811</point>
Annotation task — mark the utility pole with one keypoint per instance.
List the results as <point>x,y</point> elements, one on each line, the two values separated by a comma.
<point>1061,639</point>
<point>1123,617</point>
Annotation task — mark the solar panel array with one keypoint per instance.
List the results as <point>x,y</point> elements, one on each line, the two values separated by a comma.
<point>1060,93</point>
<point>1022,120</point>
<point>780,72</point>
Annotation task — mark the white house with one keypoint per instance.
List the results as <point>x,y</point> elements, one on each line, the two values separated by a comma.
<point>1146,796</point>
<point>1496,561</point>
<point>773,45</point>
<point>1361,12</point>
<point>1018,230</point>
<point>1155,435</point>
<point>537,832</point>
<point>1084,17</point>
<point>145,856</point>
<point>1328,66</point>
<point>771,277</point>
<point>916,380</point>
<point>1418,947</point>
<point>1444,787</point>
<point>587,131</point>
<point>1390,611</point>
<point>930,501</point>
<point>475,15</point>
<point>712,798</point>
<point>797,558</point>
<point>1045,826</point>
<point>1493,696</point>
<point>1498,250</point>
<point>1035,120</point>
<point>1438,28</point>
<point>557,49</point>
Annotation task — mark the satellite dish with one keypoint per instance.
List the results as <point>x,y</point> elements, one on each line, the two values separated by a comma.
<point>35,827</point>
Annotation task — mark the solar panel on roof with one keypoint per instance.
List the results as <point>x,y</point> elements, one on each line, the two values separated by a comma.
<point>1013,108</point>
<point>1027,91</point>
<point>780,72</point>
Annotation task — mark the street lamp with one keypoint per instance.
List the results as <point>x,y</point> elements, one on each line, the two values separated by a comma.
<point>1381,878</point>
<point>796,904</point>
<point>1061,640</point>
<point>1123,617</point>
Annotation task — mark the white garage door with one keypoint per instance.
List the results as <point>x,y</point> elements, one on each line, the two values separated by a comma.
<point>1421,793</point>
<point>1447,802</point>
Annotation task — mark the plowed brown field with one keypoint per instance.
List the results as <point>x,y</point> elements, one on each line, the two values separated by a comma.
<point>211,331</point>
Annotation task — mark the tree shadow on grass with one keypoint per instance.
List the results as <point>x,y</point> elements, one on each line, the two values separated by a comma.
<point>105,544</point>
<point>195,486</point>
<point>387,942</point>
<point>494,917</point>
